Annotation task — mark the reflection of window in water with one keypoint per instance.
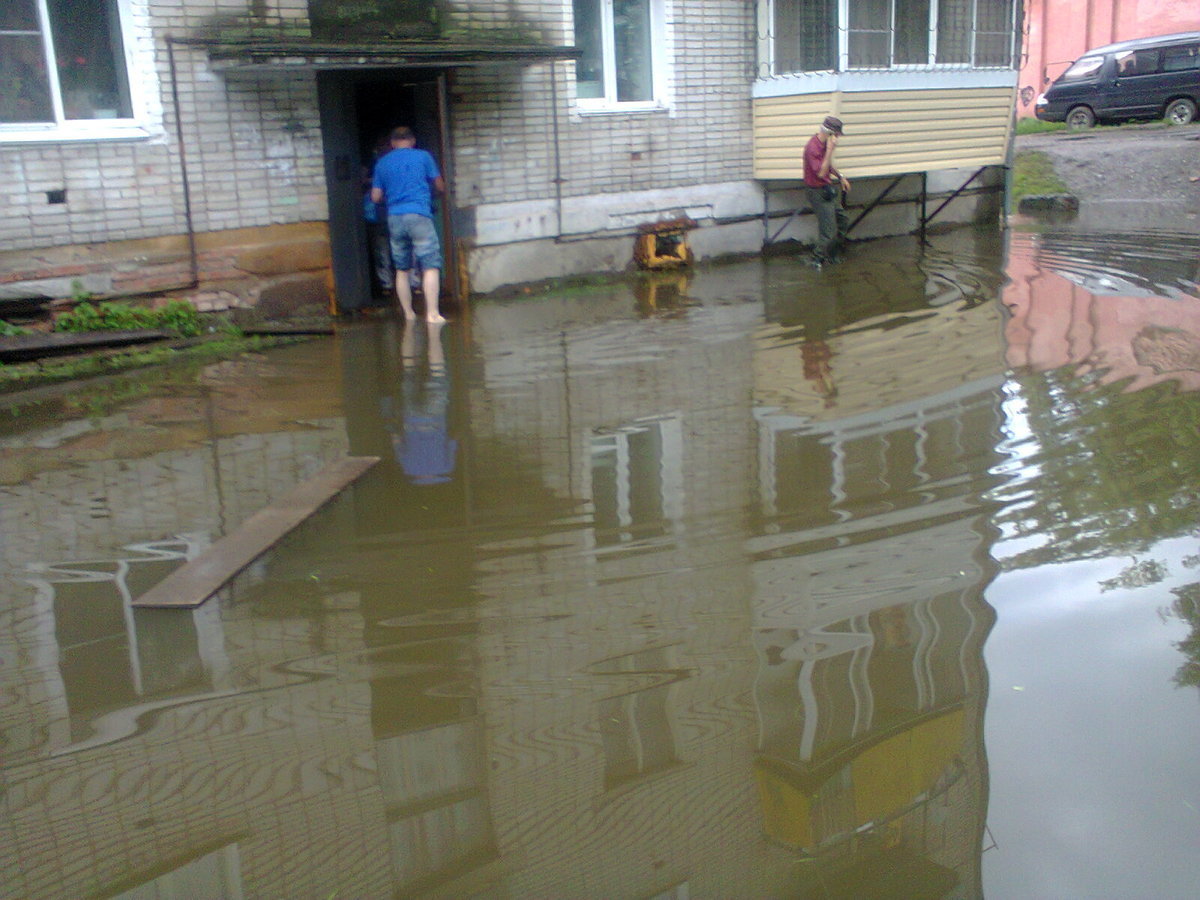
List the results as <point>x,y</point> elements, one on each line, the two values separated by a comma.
<point>438,817</point>
<point>636,482</point>
<point>111,655</point>
<point>863,675</point>
<point>429,744</point>
<point>821,476</point>
<point>215,876</point>
<point>635,727</point>
<point>680,891</point>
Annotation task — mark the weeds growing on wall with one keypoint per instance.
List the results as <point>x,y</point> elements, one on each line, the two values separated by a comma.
<point>177,316</point>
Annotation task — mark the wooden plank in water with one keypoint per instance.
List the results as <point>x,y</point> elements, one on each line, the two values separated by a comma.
<point>197,580</point>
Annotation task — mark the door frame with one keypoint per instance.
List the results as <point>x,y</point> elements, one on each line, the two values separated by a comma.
<point>340,124</point>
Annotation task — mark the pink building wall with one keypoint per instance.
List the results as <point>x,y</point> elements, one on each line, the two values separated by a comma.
<point>1057,32</point>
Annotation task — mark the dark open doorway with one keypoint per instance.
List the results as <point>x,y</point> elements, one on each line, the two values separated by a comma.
<point>358,110</point>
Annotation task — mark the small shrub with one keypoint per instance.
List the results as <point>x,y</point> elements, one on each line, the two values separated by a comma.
<point>1033,173</point>
<point>178,316</point>
<point>181,317</point>
<point>8,329</point>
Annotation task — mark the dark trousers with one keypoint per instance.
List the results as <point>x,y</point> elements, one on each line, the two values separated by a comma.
<point>832,221</point>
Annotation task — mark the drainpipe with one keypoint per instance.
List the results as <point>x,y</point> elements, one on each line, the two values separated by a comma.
<point>193,257</point>
<point>558,180</point>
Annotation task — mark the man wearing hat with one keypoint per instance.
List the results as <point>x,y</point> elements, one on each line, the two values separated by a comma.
<point>824,186</point>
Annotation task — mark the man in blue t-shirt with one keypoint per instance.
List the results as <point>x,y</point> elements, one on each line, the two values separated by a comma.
<point>406,179</point>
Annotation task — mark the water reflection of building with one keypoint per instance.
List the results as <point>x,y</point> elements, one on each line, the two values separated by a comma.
<point>576,674</point>
<point>615,663</point>
<point>1122,307</point>
<point>869,574</point>
<point>870,632</point>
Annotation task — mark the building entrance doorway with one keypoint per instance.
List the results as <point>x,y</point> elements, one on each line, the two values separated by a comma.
<point>358,111</point>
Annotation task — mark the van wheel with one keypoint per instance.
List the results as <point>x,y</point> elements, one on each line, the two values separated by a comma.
<point>1181,111</point>
<point>1080,117</point>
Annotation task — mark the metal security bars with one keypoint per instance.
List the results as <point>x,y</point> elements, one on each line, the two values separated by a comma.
<point>847,35</point>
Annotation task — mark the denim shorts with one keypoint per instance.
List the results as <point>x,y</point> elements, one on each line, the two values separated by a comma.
<point>414,235</point>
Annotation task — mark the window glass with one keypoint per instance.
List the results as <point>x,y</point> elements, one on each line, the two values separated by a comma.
<point>24,81</point>
<point>18,15</point>
<point>955,22</point>
<point>1082,68</point>
<point>90,59</point>
<point>631,31</point>
<point>807,35</point>
<point>993,32</point>
<point>912,33</point>
<point>870,33</point>
<point>1141,62</point>
<point>87,55</point>
<point>589,68</point>
<point>617,41</point>
<point>1178,59</point>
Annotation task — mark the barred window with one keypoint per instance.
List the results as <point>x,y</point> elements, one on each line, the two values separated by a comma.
<point>805,35</point>
<point>813,36</point>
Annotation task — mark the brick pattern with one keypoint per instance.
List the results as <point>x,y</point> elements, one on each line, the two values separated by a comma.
<point>504,121</point>
<point>253,147</point>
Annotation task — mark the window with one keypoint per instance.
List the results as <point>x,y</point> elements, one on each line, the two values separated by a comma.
<point>1082,68</point>
<point>1179,59</point>
<point>824,35</point>
<point>62,63</point>
<point>621,46</point>
<point>636,484</point>
<point>1141,62</point>
<point>636,727</point>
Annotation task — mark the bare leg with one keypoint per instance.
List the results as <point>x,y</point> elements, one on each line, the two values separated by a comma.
<point>431,285</point>
<point>408,346</point>
<point>437,357</point>
<point>404,294</point>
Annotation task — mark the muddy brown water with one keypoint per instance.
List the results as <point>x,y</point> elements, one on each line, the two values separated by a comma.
<point>882,581</point>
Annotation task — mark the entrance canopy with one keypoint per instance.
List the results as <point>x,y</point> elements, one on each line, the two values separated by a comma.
<point>308,54</point>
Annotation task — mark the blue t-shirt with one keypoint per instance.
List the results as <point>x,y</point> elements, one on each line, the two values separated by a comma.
<point>405,175</point>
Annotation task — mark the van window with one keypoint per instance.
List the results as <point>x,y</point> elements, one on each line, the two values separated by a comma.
<point>1179,59</point>
<point>1137,62</point>
<point>1082,68</point>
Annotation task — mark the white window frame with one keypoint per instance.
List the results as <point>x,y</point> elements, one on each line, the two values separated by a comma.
<point>767,55</point>
<point>659,57</point>
<point>132,22</point>
<point>670,429</point>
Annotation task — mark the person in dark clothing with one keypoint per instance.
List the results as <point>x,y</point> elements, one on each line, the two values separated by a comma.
<point>825,187</point>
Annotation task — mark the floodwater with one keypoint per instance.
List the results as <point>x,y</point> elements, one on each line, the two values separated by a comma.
<point>882,581</point>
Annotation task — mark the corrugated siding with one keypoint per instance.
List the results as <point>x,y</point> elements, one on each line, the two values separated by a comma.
<point>887,132</point>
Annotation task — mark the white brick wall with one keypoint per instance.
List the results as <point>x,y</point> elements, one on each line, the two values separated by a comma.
<point>253,148</point>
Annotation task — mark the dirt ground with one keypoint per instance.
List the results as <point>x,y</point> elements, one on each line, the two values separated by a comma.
<point>1137,177</point>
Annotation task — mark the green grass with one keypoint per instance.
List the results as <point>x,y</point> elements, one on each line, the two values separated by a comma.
<point>1037,126</point>
<point>1033,173</point>
<point>17,376</point>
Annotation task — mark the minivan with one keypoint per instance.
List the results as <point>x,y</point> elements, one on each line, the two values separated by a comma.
<point>1147,78</point>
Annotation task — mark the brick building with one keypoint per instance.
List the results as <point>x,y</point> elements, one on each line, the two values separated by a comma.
<point>215,149</point>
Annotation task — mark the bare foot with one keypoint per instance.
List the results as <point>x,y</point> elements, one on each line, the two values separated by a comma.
<point>435,319</point>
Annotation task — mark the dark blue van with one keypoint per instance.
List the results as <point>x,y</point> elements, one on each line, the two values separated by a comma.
<point>1147,78</point>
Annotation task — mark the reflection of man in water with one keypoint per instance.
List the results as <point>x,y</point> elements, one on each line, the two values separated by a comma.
<point>818,316</point>
<point>418,422</point>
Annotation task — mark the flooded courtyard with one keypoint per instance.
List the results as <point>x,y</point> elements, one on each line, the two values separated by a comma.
<point>754,581</point>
